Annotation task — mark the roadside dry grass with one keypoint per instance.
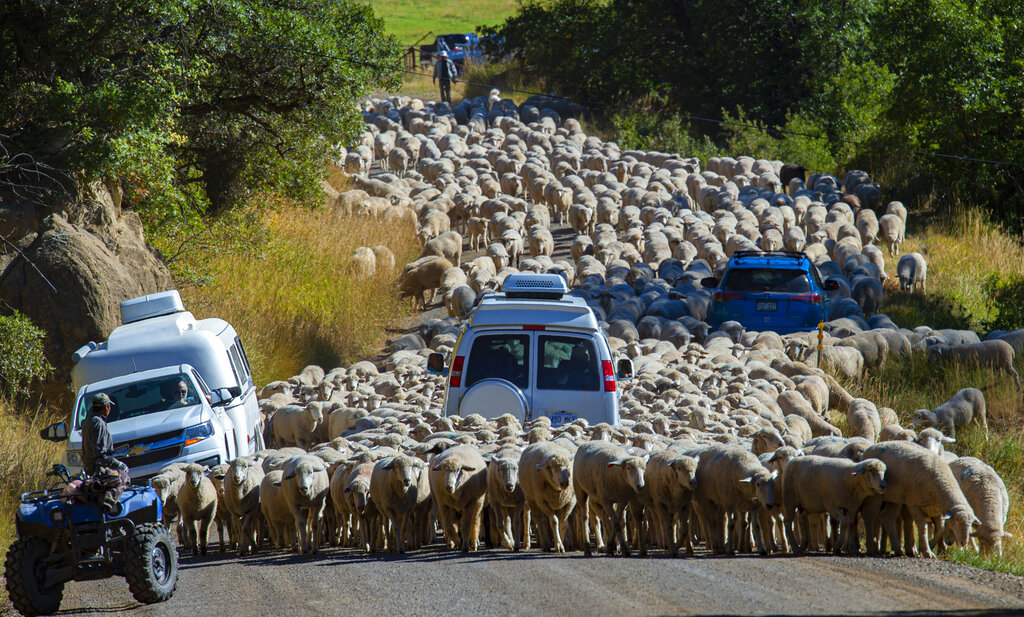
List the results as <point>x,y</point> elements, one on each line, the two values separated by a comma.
<point>409,20</point>
<point>296,300</point>
<point>24,461</point>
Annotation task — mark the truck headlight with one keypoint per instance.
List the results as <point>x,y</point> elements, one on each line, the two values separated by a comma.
<point>199,432</point>
<point>75,458</point>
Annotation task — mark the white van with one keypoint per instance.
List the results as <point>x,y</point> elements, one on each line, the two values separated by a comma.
<point>531,351</point>
<point>161,346</point>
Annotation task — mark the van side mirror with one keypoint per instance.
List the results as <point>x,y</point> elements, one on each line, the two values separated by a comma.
<point>709,282</point>
<point>435,363</point>
<point>624,369</point>
<point>55,432</point>
<point>830,285</point>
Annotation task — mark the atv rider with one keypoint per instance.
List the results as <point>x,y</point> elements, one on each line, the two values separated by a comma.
<point>98,452</point>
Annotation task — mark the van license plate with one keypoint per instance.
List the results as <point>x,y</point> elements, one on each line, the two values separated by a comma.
<point>559,418</point>
<point>765,306</point>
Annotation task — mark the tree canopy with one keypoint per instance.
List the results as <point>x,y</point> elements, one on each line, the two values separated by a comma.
<point>185,102</point>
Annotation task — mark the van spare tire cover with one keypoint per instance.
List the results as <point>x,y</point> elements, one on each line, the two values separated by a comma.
<point>492,398</point>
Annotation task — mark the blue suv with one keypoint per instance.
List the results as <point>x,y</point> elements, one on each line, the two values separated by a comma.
<point>779,291</point>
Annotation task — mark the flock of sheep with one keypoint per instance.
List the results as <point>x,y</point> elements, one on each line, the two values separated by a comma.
<point>725,438</point>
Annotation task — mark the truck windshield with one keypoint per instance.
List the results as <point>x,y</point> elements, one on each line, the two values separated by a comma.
<point>142,397</point>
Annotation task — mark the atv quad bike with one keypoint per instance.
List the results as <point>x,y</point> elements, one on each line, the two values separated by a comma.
<point>68,535</point>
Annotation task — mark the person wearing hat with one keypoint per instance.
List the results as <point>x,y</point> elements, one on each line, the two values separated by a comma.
<point>97,444</point>
<point>445,70</point>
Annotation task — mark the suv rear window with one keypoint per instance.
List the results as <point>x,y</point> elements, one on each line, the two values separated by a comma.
<point>503,356</point>
<point>766,279</point>
<point>567,363</point>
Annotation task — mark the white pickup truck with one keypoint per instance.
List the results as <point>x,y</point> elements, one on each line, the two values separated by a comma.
<point>181,389</point>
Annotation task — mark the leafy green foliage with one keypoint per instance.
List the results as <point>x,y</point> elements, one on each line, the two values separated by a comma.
<point>1007,296</point>
<point>21,355</point>
<point>190,104</point>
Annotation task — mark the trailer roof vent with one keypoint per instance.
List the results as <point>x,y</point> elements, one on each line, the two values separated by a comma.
<point>537,286</point>
<point>152,305</point>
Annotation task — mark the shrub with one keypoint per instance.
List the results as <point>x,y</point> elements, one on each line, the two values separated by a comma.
<point>1007,296</point>
<point>21,355</point>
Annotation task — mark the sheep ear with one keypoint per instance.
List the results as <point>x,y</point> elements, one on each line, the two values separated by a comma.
<point>976,522</point>
<point>468,469</point>
<point>290,475</point>
<point>276,483</point>
<point>750,479</point>
<point>775,474</point>
<point>1007,534</point>
<point>389,466</point>
<point>947,516</point>
<point>857,471</point>
<point>948,439</point>
<point>696,459</point>
<point>615,464</point>
<point>435,468</point>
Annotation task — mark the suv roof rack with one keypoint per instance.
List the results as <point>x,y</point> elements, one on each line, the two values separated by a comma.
<point>535,286</point>
<point>793,254</point>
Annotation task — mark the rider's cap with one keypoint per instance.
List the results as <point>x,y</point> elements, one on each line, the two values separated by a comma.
<point>101,400</point>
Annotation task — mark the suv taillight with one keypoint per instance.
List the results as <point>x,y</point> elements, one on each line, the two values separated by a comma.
<point>722,296</point>
<point>812,298</point>
<point>609,376</point>
<point>456,377</point>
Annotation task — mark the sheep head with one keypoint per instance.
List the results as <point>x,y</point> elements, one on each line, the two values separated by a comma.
<point>455,472</point>
<point>923,417</point>
<point>194,474</point>
<point>633,468</point>
<point>960,521</point>
<point>556,471</point>
<point>685,470</point>
<point>873,470</point>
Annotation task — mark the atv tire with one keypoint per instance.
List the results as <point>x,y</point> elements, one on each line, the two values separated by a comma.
<point>25,569</point>
<point>151,564</point>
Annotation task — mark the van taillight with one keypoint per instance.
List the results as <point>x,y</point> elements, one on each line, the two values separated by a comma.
<point>609,376</point>
<point>456,377</point>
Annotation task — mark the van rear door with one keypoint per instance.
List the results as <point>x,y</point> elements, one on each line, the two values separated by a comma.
<point>569,380</point>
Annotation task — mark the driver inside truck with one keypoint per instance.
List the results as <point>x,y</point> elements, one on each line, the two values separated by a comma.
<point>176,394</point>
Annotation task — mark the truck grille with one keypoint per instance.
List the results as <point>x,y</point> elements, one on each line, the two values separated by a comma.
<point>148,439</point>
<point>152,456</point>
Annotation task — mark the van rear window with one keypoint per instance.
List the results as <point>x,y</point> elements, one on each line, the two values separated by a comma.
<point>567,363</point>
<point>501,356</point>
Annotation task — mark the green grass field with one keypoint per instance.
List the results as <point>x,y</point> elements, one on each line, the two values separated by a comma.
<point>409,20</point>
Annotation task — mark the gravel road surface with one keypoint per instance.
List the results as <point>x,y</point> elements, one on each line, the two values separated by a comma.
<point>437,582</point>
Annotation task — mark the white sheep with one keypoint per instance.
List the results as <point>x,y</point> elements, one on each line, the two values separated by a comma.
<point>242,500</point>
<point>197,501</point>
<point>305,485</point>
<point>996,354</point>
<point>965,407</point>
<point>669,479</point>
<point>458,485</point>
<point>912,270</point>
<point>545,475</point>
<point>275,510</point>
<point>890,232</point>
<point>986,492</point>
<point>399,487</point>
<point>505,497</point>
<point>732,485</point>
<point>606,476</point>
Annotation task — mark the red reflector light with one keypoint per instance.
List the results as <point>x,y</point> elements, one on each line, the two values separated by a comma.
<point>455,380</point>
<point>722,296</point>
<point>534,327</point>
<point>609,376</point>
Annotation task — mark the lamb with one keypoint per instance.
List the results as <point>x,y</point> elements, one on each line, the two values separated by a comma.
<point>477,230</point>
<point>912,271</point>
<point>986,492</point>
<point>505,497</point>
<point>305,485</point>
<point>167,484</point>
<point>895,432</point>
<point>966,406</point>
<point>399,486</point>
<point>197,500</point>
<point>447,245</point>
<point>833,486</point>
<point>669,479</point>
<point>294,425</point>
<point>545,475</point>
<point>933,439</point>
<point>458,485</point>
<point>918,481</point>
<point>242,500</point>
<point>862,420</point>
<point>997,354</point>
<point>355,491</point>
<point>731,482</point>
<point>605,474</point>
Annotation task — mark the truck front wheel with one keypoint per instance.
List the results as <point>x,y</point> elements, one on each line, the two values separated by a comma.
<point>151,564</point>
<point>25,570</point>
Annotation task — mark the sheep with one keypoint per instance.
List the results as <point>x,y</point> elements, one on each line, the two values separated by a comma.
<point>890,232</point>
<point>167,484</point>
<point>275,510</point>
<point>895,432</point>
<point>505,497</point>
<point>986,492</point>
<point>965,407</point>
<point>399,487</point>
<point>477,229</point>
<point>197,501</point>
<point>912,271</point>
<point>669,479</point>
<point>792,402</point>
<point>421,276</point>
<point>305,486</point>
<point>919,481</point>
<point>365,262</point>
<point>862,420</point>
<point>242,500</point>
<point>606,476</point>
<point>545,475</point>
<point>294,425</point>
<point>448,245</point>
<point>458,485</point>
<point>355,491</point>
<point>731,482</point>
<point>997,354</point>
<point>581,219</point>
<point>833,486</point>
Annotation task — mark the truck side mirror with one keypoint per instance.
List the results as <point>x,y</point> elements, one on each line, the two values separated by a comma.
<point>624,369</point>
<point>830,285</point>
<point>223,396</point>
<point>55,432</point>
<point>435,363</point>
<point>709,282</point>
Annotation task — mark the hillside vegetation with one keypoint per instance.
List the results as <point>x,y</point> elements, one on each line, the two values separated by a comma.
<point>408,20</point>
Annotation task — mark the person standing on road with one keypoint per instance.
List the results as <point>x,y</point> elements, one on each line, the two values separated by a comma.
<point>444,69</point>
<point>98,452</point>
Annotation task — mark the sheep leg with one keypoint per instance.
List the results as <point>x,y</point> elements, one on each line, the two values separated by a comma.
<point>922,532</point>
<point>527,510</point>
<point>556,524</point>
<point>619,517</point>
<point>582,514</point>
<point>759,522</point>
<point>204,533</point>
<point>471,526</point>
<point>664,521</point>
<point>891,512</point>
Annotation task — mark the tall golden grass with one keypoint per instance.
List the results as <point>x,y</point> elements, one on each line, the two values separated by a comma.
<point>296,300</point>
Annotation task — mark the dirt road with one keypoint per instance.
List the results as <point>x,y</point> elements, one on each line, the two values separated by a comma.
<point>437,582</point>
